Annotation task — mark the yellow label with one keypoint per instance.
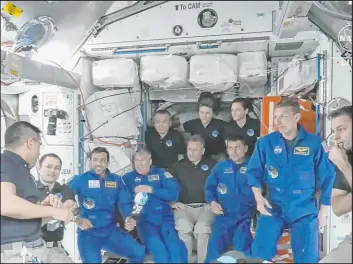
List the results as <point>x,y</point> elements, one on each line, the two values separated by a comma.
<point>110,184</point>
<point>301,151</point>
<point>12,10</point>
<point>14,72</point>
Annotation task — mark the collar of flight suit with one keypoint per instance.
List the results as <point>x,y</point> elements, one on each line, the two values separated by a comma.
<point>301,133</point>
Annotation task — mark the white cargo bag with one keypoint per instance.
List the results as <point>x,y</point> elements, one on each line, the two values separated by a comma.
<point>111,114</point>
<point>213,72</point>
<point>119,157</point>
<point>300,75</point>
<point>252,68</point>
<point>112,73</point>
<point>164,71</point>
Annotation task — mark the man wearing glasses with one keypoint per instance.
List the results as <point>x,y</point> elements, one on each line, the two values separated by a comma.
<point>21,212</point>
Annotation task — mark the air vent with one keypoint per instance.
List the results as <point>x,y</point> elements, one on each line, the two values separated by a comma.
<point>289,46</point>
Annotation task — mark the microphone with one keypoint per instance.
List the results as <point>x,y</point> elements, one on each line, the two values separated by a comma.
<point>140,200</point>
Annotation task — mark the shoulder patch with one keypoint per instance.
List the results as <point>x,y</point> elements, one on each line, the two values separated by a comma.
<point>168,175</point>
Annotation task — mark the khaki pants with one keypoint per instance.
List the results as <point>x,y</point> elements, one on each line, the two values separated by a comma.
<point>194,223</point>
<point>44,255</point>
<point>342,253</point>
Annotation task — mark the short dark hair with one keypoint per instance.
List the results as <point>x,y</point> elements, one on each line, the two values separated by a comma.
<point>99,150</point>
<point>197,138</point>
<point>246,103</point>
<point>208,100</point>
<point>345,110</point>
<point>19,132</point>
<point>289,102</point>
<point>51,155</point>
<point>162,112</point>
<point>233,137</point>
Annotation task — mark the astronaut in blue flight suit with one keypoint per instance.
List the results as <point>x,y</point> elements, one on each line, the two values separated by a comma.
<point>230,198</point>
<point>293,165</point>
<point>155,224</point>
<point>99,193</point>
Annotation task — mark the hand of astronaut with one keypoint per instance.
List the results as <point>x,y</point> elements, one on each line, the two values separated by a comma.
<point>323,217</point>
<point>130,224</point>
<point>339,157</point>
<point>143,188</point>
<point>63,214</point>
<point>70,204</point>
<point>216,208</point>
<point>178,206</point>
<point>262,203</point>
<point>84,223</point>
<point>52,200</point>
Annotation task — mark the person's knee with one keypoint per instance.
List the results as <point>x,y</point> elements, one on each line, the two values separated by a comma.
<point>202,227</point>
<point>183,225</point>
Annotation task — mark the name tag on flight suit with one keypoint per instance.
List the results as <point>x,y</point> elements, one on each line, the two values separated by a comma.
<point>301,151</point>
<point>93,184</point>
<point>110,184</point>
<point>154,177</point>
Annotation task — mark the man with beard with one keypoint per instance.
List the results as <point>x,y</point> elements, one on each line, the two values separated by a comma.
<point>99,193</point>
<point>341,197</point>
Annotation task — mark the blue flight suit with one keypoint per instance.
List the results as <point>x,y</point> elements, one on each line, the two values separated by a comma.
<point>98,199</point>
<point>155,224</point>
<point>292,177</point>
<point>227,185</point>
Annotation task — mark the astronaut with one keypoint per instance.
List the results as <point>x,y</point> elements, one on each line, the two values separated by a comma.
<point>99,193</point>
<point>155,224</point>
<point>293,165</point>
<point>230,198</point>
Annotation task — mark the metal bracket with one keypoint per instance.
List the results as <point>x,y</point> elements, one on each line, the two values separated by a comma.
<point>122,14</point>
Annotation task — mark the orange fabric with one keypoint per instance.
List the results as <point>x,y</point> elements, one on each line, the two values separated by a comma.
<point>307,116</point>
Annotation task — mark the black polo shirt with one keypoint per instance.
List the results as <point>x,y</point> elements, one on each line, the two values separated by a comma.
<point>341,181</point>
<point>165,150</point>
<point>67,194</point>
<point>250,131</point>
<point>16,170</point>
<point>192,179</point>
<point>213,134</point>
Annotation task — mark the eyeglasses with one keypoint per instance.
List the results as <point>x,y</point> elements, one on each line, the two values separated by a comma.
<point>40,143</point>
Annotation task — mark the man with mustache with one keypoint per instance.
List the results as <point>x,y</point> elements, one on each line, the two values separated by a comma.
<point>99,193</point>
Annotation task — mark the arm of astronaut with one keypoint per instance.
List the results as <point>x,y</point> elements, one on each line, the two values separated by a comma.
<point>125,200</point>
<point>211,185</point>
<point>255,169</point>
<point>169,190</point>
<point>325,175</point>
<point>74,184</point>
